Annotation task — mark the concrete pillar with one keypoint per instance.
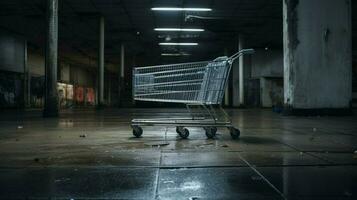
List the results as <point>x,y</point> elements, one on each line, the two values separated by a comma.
<point>122,60</point>
<point>51,96</point>
<point>27,79</point>
<point>317,56</point>
<point>238,76</point>
<point>121,73</point>
<point>134,65</point>
<point>109,89</point>
<point>101,63</point>
<point>241,72</point>
<point>227,92</point>
<point>226,95</point>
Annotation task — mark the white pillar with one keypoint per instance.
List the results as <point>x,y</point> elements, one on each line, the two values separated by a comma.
<point>241,72</point>
<point>226,93</point>
<point>27,79</point>
<point>122,61</point>
<point>237,70</point>
<point>109,89</point>
<point>101,62</point>
<point>121,72</point>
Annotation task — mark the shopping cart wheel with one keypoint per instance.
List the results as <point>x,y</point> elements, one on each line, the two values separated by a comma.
<point>210,132</point>
<point>179,129</point>
<point>235,133</point>
<point>137,131</point>
<point>183,132</point>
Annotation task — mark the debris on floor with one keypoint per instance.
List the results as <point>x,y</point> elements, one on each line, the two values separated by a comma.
<point>166,182</point>
<point>224,145</point>
<point>83,135</point>
<point>205,145</point>
<point>157,143</point>
<point>256,178</point>
<point>62,180</point>
<point>210,143</point>
<point>313,135</point>
<point>20,127</point>
<point>36,160</point>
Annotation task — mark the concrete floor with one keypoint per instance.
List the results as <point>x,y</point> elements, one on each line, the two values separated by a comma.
<point>87,154</point>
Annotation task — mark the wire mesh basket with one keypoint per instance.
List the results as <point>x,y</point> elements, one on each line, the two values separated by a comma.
<point>194,84</point>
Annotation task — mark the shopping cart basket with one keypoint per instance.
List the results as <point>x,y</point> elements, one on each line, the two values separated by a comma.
<point>199,85</point>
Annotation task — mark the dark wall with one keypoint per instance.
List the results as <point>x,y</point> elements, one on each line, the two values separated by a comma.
<point>12,52</point>
<point>12,59</point>
<point>11,89</point>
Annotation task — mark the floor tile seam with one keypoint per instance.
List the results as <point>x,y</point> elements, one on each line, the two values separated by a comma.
<point>157,185</point>
<point>264,178</point>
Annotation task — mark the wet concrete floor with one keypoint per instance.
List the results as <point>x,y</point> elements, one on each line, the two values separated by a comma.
<point>87,154</point>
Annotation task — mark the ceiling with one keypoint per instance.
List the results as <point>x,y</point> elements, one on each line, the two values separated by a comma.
<point>131,22</point>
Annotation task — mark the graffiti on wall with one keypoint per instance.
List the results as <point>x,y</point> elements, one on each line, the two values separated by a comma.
<point>69,92</point>
<point>65,95</point>
<point>90,96</point>
<point>11,92</point>
<point>61,90</point>
<point>79,94</point>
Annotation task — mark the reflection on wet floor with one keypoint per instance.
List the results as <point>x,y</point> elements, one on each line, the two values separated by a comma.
<point>92,154</point>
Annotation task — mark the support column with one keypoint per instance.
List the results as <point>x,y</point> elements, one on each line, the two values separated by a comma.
<point>109,101</point>
<point>317,56</point>
<point>227,92</point>
<point>101,63</point>
<point>27,79</point>
<point>122,61</point>
<point>226,95</point>
<point>241,72</point>
<point>121,74</point>
<point>51,96</point>
<point>134,65</point>
<point>238,76</point>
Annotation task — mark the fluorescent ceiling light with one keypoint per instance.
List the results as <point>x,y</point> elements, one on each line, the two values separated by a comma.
<point>179,44</point>
<point>180,29</point>
<point>181,9</point>
<point>175,54</point>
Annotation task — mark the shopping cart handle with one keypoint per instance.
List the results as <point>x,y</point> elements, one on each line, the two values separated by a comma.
<point>222,58</point>
<point>240,53</point>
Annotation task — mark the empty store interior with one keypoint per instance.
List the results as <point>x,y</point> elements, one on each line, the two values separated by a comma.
<point>199,99</point>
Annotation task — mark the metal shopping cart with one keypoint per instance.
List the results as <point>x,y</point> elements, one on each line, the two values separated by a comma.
<point>199,85</point>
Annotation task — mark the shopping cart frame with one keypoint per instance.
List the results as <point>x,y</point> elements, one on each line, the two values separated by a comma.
<point>210,117</point>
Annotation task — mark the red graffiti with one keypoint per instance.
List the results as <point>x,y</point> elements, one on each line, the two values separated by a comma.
<point>79,93</point>
<point>90,95</point>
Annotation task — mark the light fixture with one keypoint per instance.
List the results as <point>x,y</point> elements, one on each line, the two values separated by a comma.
<point>179,43</point>
<point>181,9</point>
<point>180,29</point>
<point>175,54</point>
